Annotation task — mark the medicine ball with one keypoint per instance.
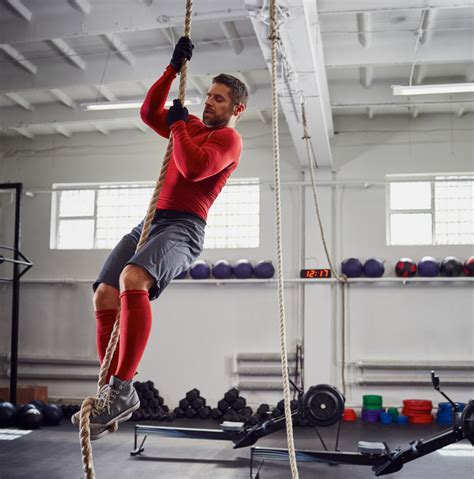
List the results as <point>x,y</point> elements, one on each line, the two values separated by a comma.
<point>25,408</point>
<point>374,268</point>
<point>243,269</point>
<point>428,267</point>
<point>7,414</point>
<point>38,404</point>
<point>405,268</point>
<point>182,275</point>
<point>264,270</point>
<point>468,267</point>
<point>352,268</point>
<point>30,419</point>
<point>52,415</point>
<point>200,270</point>
<point>222,270</point>
<point>451,266</point>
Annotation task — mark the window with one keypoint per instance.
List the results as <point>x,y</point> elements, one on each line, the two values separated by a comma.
<point>96,217</point>
<point>234,219</point>
<point>437,212</point>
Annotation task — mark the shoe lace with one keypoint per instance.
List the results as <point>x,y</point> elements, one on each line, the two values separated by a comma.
<point>105,397</point>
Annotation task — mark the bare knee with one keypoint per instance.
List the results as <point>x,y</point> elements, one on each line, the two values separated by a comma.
<point>106,297</point>
<point>135,277</point>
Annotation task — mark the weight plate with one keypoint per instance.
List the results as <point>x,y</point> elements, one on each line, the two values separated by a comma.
<point>467,419</point>
<point>372,400</point>
<point>323,405</point>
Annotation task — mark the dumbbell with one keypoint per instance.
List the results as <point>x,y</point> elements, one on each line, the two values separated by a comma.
<point>178,412</point>
<point>231,395</point>
<point>190,412</point>
<point>198,403</point>
<point>204,412</point>
<point>192,394</point>
<point>239,403</point>
<point>216,413</point>
<point>223,405</point>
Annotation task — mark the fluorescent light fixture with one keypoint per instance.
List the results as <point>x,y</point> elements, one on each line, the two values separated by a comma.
<point>124,105</point>
<point>433,89</point>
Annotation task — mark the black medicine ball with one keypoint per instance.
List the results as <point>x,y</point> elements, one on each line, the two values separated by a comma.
<point>451,266</point>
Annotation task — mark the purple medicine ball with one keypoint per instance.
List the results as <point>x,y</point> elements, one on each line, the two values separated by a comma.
<point>352,268</point>
<point>374,268</point>
<point>264,270</point>
<point>222,270</point>
<point>182,275</point>
<point>428,267</point>
<point>200,270</point>
<point>243,269</point>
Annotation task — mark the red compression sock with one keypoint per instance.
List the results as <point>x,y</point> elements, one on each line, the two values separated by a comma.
<point>105,320</point>
<point>135,327</point>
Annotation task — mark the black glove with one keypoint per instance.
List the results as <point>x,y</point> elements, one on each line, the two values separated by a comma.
<point>182,51</point>
<point>177,112</point>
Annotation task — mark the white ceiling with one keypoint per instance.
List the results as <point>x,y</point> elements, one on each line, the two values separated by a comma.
<point>342,56</point>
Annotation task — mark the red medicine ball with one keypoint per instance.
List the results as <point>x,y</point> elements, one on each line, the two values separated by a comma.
<point>405,268</point>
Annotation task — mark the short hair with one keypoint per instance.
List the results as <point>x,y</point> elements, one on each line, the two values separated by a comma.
<point>238,89</point>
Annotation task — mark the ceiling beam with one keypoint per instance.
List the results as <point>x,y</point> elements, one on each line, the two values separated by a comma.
<point>420,73</point>
<point>305,78</point>
<point>106,92</point>
<point>82,5</point>
<point>53,113</point>
<point>23,131</point>
<point>427,26</point>
<point>18,58</point>
<point>327,7</point>
<point>106,19</point>
<point>231,33</point>
<point>264,116</point>
<point>102,129</point>
<point>114,41</point>
<point>55,73</point>
<point>366,76</point>
<point>63,98</point>
<point>20,9</point>
<point>19,100</point>
<point>170,35</point>
<point>364,26</point>
<point>68,53</point>
<point>139,125</point>
<point>62,130</point>
<point>457,48</point>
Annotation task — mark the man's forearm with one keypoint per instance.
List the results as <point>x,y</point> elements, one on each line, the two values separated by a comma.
<point>153,111</point>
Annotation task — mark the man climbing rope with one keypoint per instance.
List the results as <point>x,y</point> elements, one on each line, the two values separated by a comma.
<point>205,153</point>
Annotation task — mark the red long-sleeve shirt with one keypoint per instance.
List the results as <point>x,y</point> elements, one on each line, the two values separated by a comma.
<point>203,158</point>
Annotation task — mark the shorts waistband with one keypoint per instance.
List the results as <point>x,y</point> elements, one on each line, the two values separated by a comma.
<point>174,214</point>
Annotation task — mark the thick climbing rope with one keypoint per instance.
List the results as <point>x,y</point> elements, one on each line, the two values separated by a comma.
<point>342,279</point>
<point>281,297</point>
<point>89,403</point>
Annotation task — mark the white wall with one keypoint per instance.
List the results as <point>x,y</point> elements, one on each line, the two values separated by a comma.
<point>415,322</point>
<point>189,320</point>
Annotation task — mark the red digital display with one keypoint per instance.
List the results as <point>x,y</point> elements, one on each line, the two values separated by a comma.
<point>315,273</point>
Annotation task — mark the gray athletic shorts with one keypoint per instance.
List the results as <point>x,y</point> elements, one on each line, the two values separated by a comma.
<point>175,242</point>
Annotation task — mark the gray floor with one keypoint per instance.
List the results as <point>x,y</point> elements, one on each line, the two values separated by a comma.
<point>54,453</point>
